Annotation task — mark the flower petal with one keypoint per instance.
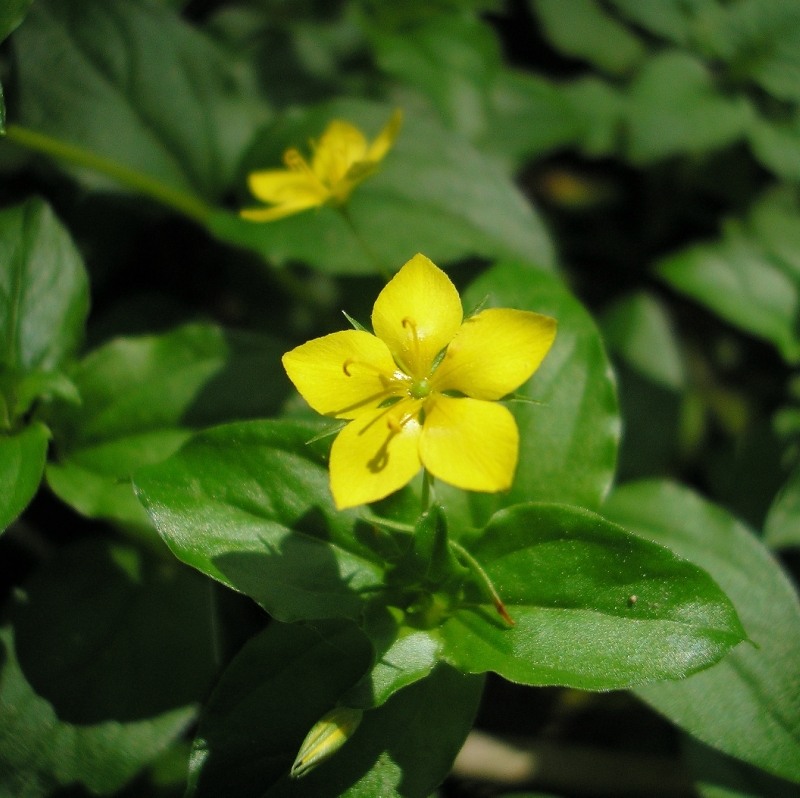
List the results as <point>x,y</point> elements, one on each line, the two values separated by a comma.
<point>284,186</point>
<point>417,313</point>
<point>386,138</point>
<point>470,443</point>
<point>375,455</point>
<point>277,211</point>
<point>494,352</point>
<point>344,374</point>
<point>339,147</point>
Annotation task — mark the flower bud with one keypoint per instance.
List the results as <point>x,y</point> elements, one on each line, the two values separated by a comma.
<point>326,737</point>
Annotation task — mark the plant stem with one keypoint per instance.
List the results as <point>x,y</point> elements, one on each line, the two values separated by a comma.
<point>370,253</point>
<point>483,579</point>
<point>181,201</point>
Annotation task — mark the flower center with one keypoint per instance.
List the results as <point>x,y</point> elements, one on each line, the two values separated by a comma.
<point>420,388</point>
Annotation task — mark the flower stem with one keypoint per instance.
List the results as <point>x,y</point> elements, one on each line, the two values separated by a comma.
<point>368,251</point>
<point>483,579</point>
<point>181,201</point>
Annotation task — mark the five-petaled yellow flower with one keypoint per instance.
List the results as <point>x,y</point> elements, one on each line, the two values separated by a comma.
<point>422,391</point>
<point>340,160</point>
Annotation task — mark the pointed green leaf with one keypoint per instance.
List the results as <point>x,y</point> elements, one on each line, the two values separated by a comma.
<point>278,686</point>
<point>284,681</point>
<point>675,109</point>
<point>142,398</point>
<point>758,39</point>
<point>743,282</point>
<point>22,458</point>
<point>249,504</point>
<point>44,295</point>
<point>174,107</point>
<point>748,705</point>
<point>595,607</point>
<point>583,29</point>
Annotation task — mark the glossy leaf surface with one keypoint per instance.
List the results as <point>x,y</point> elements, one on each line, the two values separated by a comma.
<point>249,504</point>
<point>755,688</point>
<point>44,296</point>
<point>142,398</point>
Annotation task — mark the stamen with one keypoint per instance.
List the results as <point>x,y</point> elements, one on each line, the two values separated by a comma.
<point>387,380</point>
<point>396,424</point>
<point>409,324</point>
<point>295,161</point>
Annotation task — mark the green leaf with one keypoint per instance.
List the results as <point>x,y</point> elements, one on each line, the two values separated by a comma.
<point>760,41</point>
<point>174,107</point>
<point>281,683</point>
<point>774,223</point>
<point>142,398</point>
<point>284,681</point>
<point>744,283</point>
<point>434,193</point>
<point>44,295</point>
<point>581,28</point>
<point>673,20</point>
<point>84,619</point>
<point>529,116</point>
<point>249,504</point>
<point>782,527</point>
<point>39,752</point>
<point>595,607</point>
<point>403,655</point>
<point>86,615</point>
<point>718,776</point>
<point>601,108</point>
<point>12,13</point>
<point>777,145</point>
<point>22,458</point>
<point>569,436</point>
<point>675,109</point>
<point>451,60</point>
<point>638,328</point>
<point>748,705</point>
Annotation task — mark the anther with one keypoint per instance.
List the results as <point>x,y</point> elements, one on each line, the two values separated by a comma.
<point>294,160</point>
<point>393,424</point>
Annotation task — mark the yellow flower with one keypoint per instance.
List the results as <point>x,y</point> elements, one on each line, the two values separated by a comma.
<point>340,160</point>
<point>422,391</point>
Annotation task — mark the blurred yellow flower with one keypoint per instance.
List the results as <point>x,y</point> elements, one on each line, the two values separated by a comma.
<point>422,391</point>
<point>340,160</point>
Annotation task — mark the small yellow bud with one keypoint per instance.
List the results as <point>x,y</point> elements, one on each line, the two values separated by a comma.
<point>326,737</point>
